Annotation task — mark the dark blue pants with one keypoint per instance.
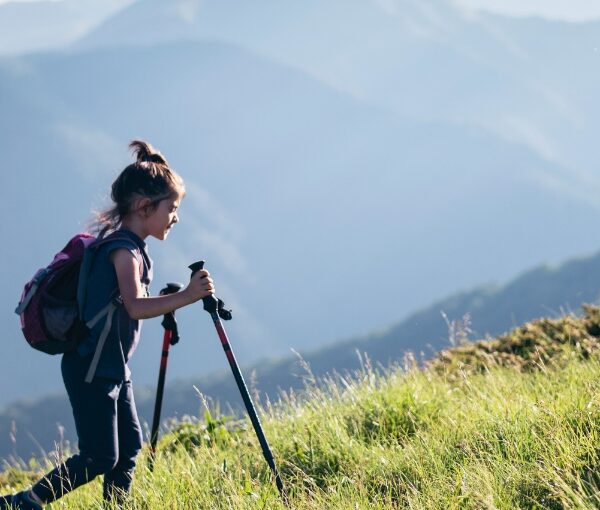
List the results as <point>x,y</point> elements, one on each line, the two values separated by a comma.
<point>109,432</point>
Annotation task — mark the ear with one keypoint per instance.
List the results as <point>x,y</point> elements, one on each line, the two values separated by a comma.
<point>143,206</point>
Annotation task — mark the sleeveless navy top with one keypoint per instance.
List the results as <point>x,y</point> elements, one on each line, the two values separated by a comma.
<point>102,286</point>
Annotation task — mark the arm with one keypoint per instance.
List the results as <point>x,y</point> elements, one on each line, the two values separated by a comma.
<point>139,306</point>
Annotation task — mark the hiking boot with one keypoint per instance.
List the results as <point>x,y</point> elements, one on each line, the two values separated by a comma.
<point>19,501</point>
<point>5,502</point>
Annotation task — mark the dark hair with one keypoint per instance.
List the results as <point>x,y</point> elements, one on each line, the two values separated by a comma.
<point>149,176</point>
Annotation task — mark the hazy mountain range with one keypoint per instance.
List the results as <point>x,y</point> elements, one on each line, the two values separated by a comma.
<point>336,153</point>
<point>542,292</point>
<point>529,80</point>
<point>46,25</point>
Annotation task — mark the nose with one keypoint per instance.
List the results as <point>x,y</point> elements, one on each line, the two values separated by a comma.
<point>175,218</point>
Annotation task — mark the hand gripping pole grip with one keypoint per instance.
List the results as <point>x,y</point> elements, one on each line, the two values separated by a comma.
<point>210,303</point>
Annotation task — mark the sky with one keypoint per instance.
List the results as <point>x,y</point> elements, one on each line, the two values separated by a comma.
<point>561,104</point>
<point>572,10</point>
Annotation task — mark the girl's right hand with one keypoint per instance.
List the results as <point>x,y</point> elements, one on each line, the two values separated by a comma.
<point>200,286</point>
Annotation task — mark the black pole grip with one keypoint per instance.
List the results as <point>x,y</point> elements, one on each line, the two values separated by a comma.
<point>171,288</point>
<point>196,266</point>
<point>210,303</point>
<point>169,322</point>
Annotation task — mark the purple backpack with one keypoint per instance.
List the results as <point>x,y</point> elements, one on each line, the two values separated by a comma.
<point>48,307</point>
<point>51,306</point>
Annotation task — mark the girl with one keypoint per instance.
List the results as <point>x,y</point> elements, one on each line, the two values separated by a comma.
<point>146,197</point>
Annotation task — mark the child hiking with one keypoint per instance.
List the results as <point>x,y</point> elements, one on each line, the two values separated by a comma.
<point>146,197</point>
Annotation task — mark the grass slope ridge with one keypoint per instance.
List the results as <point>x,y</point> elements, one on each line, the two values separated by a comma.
<point>493,310</point>
<point>515,435</point>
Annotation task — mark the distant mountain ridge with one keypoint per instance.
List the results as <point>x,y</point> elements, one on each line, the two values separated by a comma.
<point>538,293</point>
<point>41,26</point>
<point>292,186</point>
<point>535,79</point>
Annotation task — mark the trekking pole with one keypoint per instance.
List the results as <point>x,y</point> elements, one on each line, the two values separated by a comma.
<point>171,337</point>
<point>215,307</point>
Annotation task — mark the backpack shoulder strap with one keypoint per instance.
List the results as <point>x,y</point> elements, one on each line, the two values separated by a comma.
<point>88,259</point>
<point>108,312</point>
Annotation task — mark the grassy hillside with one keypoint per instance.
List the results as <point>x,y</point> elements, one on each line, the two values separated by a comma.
<point>541,292</point>
<point>503,424</point>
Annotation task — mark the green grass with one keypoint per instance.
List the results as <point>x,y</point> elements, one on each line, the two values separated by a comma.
<point>466,433</point>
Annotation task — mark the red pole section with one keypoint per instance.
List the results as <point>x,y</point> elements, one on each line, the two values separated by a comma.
<point>159,395</point>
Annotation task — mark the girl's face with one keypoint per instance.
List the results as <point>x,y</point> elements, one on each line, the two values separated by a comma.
<point>161,219</point>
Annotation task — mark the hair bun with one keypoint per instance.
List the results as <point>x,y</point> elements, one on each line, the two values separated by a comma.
<point>144,152</point>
